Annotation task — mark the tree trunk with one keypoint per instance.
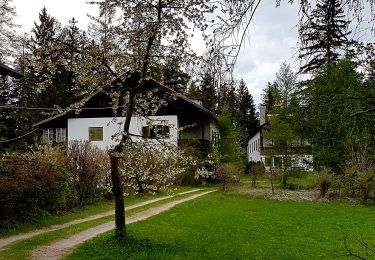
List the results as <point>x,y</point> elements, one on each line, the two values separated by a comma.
<point>118,193</point>
<point>117,189</point>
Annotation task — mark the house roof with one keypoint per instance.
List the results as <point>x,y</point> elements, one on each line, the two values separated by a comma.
<point>258,129</point>
<point>153,85</point>
<point>7,71</point>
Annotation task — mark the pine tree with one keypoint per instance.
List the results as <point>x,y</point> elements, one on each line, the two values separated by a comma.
<point>208,92</point>
<point>323,35</point>
<point>73,39</point>
<point>245,113</point>
<point>8,35</point>
<point>174,77</point>
<point>227,97</point>
<point>268,97</point>
<point>49,61</point>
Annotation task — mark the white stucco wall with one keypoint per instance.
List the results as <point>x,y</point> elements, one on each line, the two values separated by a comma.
<point>300,161</point>
<point>78,129</point>
<point>253,149</point>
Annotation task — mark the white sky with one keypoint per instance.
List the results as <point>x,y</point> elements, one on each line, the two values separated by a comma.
<point>273,35</point>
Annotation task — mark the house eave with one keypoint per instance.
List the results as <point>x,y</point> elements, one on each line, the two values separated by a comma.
<point>7,71</point>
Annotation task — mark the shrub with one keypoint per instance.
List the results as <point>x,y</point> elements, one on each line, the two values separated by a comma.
<point>359,174</point>
<point>206,169</point>
<point>227,174</point>
<point>49,179</point>
<point>359,182</point>
<point>32,184</point>
<point>90,170</point>
<point>148,168</point>
<point>256,169</point>
<point>188,176</point>
<point>323,182</point>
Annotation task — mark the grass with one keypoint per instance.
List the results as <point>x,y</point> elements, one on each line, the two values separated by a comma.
<point>305,180</point>
<point>226,226</point>
<point>295,180</point>
<point>21,249</point>
<point>85,211</point>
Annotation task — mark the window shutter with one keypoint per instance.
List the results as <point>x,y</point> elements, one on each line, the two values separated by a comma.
<point>145,132</point>
<point>165,131</point>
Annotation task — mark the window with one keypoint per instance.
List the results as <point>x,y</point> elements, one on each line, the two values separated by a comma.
<point>215,138</point>
<point>156,131</point>
<point>47,136</point>
<point>60,135</point>
<point>95,134</point>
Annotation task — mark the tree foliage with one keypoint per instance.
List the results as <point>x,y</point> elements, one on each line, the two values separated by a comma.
<point>8,36</point>
<point>323,35</point>
<point>331,102</point>
<point>281,131</point>
<point>229,145</point>
<point>244,117</point>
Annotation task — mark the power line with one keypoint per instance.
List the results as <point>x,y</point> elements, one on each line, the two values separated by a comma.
<point>59,109</point>
<point>19,137</point>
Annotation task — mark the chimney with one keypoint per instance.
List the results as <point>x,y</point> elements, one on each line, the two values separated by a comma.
<point>262,115</point>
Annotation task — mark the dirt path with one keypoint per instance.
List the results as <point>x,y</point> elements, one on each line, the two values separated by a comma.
<point>63,247</point>
<point>9,240</point>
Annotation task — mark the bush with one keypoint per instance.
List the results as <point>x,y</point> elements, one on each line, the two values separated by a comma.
<point>323,182</point>
<point>188,177</point>
<point>359,182</point>
<point>32,184</point>
<point>48,180</point>
<point>90,171</point>
<point>256,169</point>
<point>359,174</point>
<point>206,169</point>
<point>227,175</point>
<point>147,168</point>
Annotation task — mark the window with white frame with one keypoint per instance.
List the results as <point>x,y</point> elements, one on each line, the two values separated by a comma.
<point>60,135</point>
<point>47,136</point>
<point>215,138</point>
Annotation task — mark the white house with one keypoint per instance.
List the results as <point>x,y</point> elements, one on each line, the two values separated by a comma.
<point>257,149</point>
<point>182,121</point>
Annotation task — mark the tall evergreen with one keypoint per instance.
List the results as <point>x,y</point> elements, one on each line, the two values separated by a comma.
<point>48,63</point>
<point>323,35</point>
<point>8,37</point>
<point>227,97</point>
<point>268,97</point>
<point>245,113</point>
<point>73,39</point>
<point>173,76</point>
<point>208,92</point>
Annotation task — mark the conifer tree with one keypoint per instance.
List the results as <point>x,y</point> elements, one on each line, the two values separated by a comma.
<point>323,36</point>
<point>268,97</point>
<point>8,35</point>
<point>208,92</point>
<point>245,113</point>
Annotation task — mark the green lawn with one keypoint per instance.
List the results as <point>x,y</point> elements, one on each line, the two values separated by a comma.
<point>225,226</point>
<point>100,207</point>
<point>21,249</point>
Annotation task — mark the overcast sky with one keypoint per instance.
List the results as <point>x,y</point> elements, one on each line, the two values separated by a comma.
<point>273,36</point>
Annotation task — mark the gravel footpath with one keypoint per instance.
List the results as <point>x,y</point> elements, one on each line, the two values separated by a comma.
<point>9,240</point>
<point>65,246</point>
